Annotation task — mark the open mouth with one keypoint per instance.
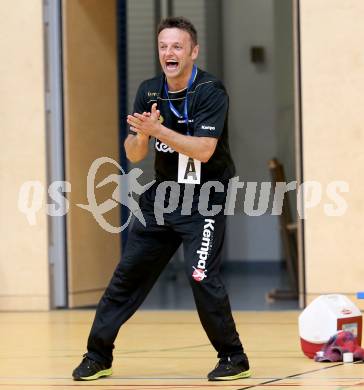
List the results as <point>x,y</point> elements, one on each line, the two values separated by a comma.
<point>171,65</point>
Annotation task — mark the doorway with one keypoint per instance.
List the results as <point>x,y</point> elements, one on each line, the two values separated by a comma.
<point>262,126</point>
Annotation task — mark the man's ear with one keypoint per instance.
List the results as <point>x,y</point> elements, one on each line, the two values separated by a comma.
<point>195,51</point>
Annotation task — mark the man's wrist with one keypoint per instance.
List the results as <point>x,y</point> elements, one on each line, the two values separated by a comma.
<point>160,131</point>
<point>142,137</point>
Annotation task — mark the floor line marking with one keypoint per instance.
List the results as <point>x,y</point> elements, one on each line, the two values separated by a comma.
<point>187,386</point>
<point>290,376</point>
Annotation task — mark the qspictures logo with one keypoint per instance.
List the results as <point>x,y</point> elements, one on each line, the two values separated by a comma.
<point>31,196</point>
<point>249,198</point>
<point>199,272</point>
<point>125,180</point>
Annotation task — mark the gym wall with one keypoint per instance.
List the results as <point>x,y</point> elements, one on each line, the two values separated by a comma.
<point>332,77</point>
<point>23,249</point>
<point>332,81</point>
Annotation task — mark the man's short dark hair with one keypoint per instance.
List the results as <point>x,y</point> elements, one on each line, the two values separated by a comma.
<point>179,22</point>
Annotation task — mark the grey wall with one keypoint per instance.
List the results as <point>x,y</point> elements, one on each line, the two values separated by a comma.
<point>253,117</point>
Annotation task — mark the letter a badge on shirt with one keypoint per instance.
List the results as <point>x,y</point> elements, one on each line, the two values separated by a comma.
<point>189,170</point>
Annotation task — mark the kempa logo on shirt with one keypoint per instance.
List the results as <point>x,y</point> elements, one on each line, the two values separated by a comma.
<point>184,121</point>
<point>211,128</point>
<point>162,147</point>
<point>199,273</point>
<point>152,94</point>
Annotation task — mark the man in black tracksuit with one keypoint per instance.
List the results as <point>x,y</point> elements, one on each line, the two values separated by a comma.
<point>185,112</point>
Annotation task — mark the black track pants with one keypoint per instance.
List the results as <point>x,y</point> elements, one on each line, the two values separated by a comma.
<point>147,252</point>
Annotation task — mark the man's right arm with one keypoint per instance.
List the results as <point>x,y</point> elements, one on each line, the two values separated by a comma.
<point>136,147</point>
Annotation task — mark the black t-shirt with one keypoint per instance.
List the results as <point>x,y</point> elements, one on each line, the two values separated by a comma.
<point>208,105</point>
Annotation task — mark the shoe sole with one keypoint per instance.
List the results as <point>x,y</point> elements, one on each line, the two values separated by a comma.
<point>241,375</point>
<point>98,375</point>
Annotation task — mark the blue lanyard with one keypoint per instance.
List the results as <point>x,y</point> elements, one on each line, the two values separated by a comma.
<point>185,109</point>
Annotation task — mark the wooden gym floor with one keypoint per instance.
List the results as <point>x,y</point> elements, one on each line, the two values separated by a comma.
<point>161,350</point>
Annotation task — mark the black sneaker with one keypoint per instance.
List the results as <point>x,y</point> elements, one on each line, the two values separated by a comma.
<point>89,370</point>
<point>229,369</point>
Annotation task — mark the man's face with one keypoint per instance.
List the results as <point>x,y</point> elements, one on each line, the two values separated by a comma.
<point>176,52</point>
